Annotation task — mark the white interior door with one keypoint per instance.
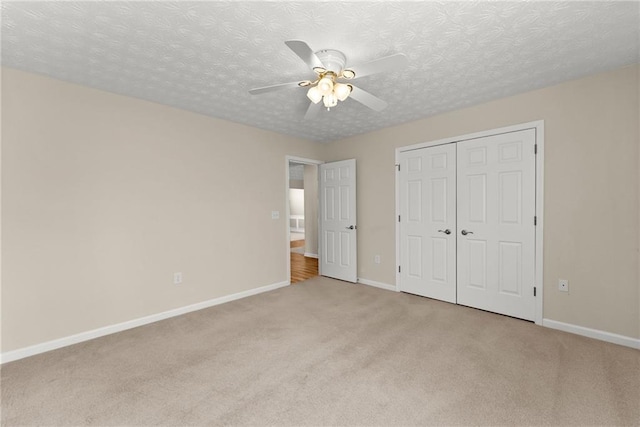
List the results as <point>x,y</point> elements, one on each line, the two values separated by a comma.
<point>428,222</point>
<point>338,231</point>
<point>496,231</point>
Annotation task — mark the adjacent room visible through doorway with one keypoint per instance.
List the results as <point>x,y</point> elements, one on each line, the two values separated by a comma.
<point>303,220</point>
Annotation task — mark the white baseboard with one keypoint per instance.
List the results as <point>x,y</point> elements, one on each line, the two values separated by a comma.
<point>310,255</point>
<point>592,333</point>
<point>376,284</point>
<point>32,350</point>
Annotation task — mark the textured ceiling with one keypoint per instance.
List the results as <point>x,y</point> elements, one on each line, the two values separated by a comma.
<point>205,56</point>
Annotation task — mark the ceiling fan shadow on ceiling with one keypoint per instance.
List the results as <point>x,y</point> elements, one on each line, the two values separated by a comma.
<point>332,82</point>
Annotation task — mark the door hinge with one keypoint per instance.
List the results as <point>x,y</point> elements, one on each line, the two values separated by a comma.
<point>398,269</point>
<point>535,149</point>
<point>534,291</point>
<point>398,165</point>
<point>535,220</point>
<point>398,218</point>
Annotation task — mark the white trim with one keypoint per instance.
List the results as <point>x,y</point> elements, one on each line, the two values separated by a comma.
<point>287,207</point>
<point>515,128</point>
<point>538,125</point>
<point>539,268</point>
<point>593,333</point>
<point>377,284</point>
<point>303,160</point>
<point>310,255</point>
<point>32,350</point>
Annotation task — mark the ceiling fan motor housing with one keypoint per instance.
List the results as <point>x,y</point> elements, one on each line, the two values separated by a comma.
<point>333,60</point>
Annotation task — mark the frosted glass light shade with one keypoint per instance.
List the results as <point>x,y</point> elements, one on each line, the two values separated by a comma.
<point>314,94</point>
<point>341,91</point>
<point>325,85</point>
<point>330,100</point>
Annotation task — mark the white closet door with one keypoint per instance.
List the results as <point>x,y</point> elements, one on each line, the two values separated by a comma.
<point>338,231</point>
<point>428,222</point>
<point>496,232</point>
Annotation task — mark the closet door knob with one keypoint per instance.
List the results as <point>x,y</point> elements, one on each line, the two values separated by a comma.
<point>465,232</point>
<point>447,231</point>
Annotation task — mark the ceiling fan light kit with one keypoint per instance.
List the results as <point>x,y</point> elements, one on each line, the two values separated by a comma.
<point>325,85</point>
<point>329,66</point>
<point>330,100</point>
<point>342,91</point>
<point>314,94</point>
<point>328,90</point>
<point>348,74</point>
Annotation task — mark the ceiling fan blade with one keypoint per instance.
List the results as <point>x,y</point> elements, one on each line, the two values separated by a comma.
<point>388,63</point>
<point>368,100</point>
<point>259,90</point>
<point>313,110</point>
<point>305,53</point>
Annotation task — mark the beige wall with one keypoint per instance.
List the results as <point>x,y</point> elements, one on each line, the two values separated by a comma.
<point>296,201</point>
<point>296,183</point>
<point>104,197</point>
<point>311,209</point>
<point>591,192</point>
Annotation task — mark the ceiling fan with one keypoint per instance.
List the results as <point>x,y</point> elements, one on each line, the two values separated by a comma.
<point>332,82</point>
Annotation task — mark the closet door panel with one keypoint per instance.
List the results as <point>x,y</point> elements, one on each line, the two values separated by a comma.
<point>495,216</point>
<point>427,222</point>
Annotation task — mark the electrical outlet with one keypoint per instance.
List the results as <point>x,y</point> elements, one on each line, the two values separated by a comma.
<point>563,285</point>
<point>177,278</point>
<point>376,259</point>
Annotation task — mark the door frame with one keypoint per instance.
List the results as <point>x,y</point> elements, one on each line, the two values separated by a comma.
<point>287,211</point>
<point>538,126</point>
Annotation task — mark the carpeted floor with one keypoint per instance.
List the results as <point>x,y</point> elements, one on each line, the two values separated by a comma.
<point>326,352</point>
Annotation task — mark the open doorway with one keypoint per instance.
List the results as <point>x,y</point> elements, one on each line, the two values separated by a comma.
<point>302,209</point>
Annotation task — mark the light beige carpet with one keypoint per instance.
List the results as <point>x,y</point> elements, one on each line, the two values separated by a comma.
<point>326,352</point>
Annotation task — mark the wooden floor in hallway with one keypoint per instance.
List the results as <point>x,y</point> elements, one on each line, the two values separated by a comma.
<point>302,267</point>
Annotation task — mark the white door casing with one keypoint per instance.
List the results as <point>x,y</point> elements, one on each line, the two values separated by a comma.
<point>496,231</point>
<point>338,231</point>
<point>287,247</point>
<point>428,222</point>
